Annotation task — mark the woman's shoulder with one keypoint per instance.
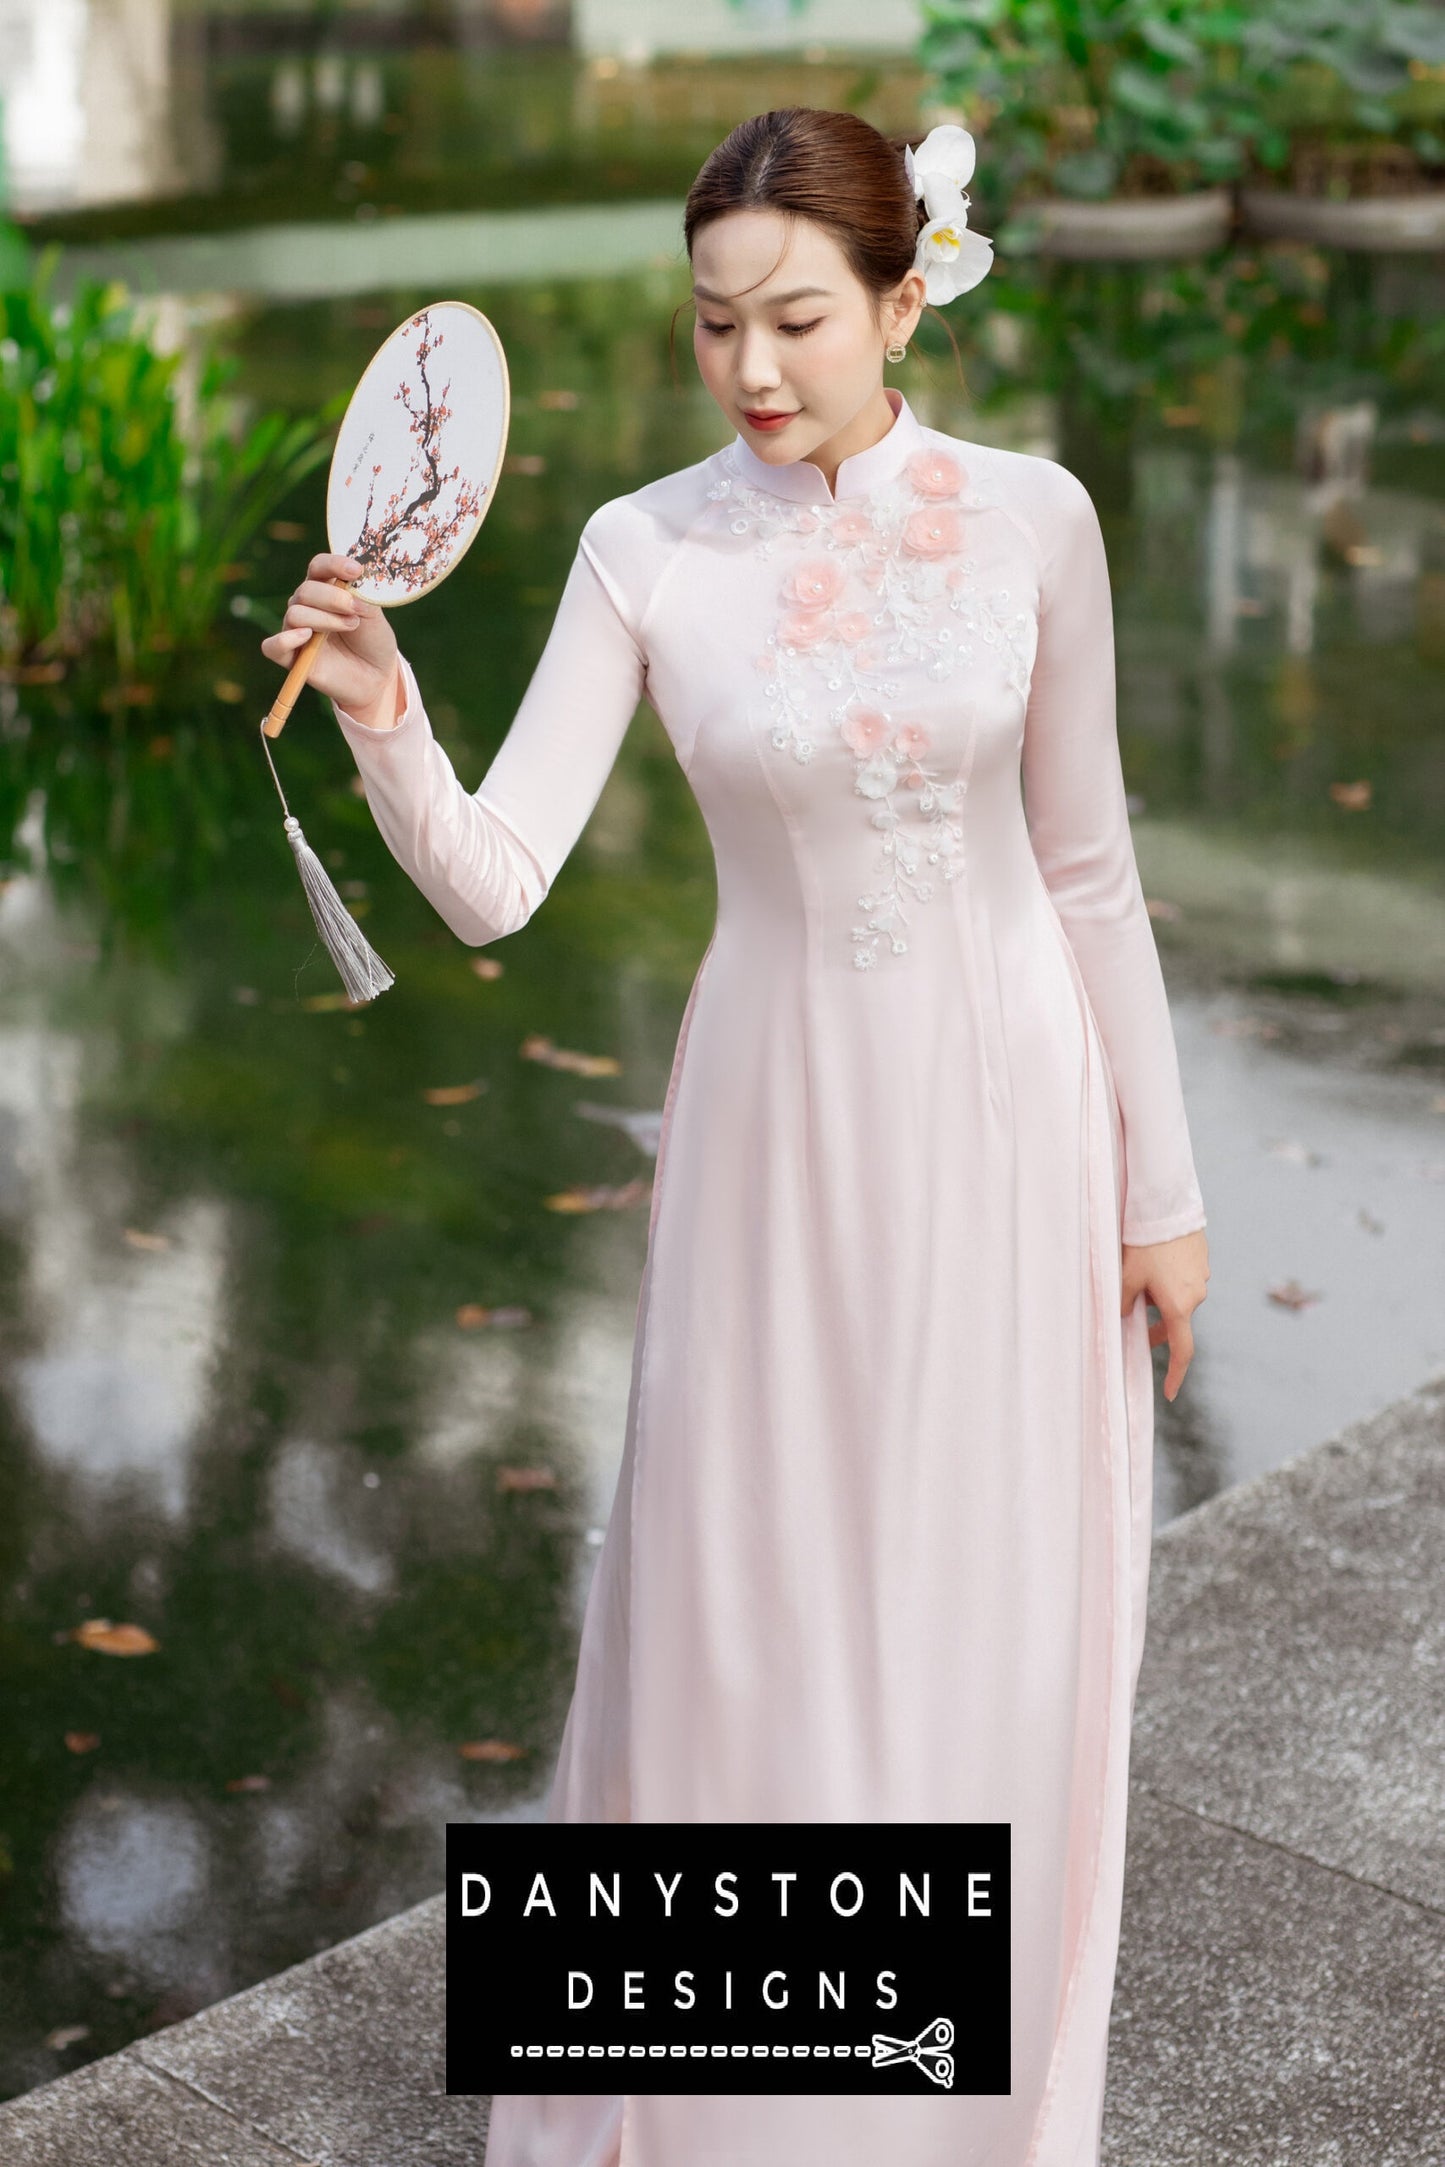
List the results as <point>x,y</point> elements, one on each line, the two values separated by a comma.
<point>1040,493</point>
<point>630,540</point>
<point>1029,475</point>
<point>655,516</point>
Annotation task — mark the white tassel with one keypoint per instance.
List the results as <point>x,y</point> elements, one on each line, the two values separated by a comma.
<point>363,973</point>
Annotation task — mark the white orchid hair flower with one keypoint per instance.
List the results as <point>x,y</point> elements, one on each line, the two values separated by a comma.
<point>951,258</point>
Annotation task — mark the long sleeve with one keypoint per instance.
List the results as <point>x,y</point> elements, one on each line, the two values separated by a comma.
<point>1079,826</point>
<point>485,859</point>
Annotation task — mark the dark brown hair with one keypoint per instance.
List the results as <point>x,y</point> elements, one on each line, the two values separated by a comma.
<point>835,168</point>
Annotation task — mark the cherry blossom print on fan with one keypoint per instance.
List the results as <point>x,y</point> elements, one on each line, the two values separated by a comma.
<point>873,595</point>
<point>417,456</point>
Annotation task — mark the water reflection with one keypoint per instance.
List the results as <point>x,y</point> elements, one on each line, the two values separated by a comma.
<point>105,102</point>
<point>238,1401</point>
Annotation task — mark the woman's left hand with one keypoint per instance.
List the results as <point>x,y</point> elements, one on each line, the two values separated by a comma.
<point>1173,1276</point>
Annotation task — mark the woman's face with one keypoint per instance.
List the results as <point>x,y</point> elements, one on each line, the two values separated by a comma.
<point>802,341</point>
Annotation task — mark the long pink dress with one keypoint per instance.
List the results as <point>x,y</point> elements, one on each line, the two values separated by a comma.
<point>880,1543</point>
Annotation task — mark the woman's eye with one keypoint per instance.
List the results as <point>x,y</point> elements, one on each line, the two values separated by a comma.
<point>796,330</point>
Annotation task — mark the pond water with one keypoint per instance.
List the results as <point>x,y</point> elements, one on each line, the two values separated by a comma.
<point>307,1367</point>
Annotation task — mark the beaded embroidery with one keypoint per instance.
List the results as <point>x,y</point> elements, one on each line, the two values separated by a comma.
<point>875,584</point>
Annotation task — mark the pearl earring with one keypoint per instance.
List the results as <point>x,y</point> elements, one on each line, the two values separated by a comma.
<point>896,352</point>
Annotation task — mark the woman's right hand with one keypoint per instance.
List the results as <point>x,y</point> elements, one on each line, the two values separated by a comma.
<point>357,668</point>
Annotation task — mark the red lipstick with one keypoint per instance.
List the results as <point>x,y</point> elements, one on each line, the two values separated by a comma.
<point>767,420</point>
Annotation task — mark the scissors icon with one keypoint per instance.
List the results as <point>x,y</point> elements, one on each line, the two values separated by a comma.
<point>928,2050</point>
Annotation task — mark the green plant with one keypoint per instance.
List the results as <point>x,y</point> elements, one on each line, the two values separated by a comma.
<point>1335,71</point>
<point>127,488</point>
<point>1097,98</point>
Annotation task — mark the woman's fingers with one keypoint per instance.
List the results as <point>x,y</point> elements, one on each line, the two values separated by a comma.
<point>319,620</point>
<point>1181,1354</point>
<point>326,565</point>
<point>284,646</point>
<point>325,594</point>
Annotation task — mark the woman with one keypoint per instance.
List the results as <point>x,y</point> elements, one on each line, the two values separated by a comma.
<point>880,1544</point>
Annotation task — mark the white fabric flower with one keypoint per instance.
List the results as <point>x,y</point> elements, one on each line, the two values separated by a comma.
<point>951,258</point>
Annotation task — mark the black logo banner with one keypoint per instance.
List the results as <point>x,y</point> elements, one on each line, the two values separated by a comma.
<point>825,1957</point>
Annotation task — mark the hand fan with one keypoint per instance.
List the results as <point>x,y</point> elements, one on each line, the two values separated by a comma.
<point>412,478</point>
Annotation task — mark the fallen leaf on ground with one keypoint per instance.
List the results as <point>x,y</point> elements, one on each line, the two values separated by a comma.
<point>1298,1154</point>
<point>562,401</point>
<point>525,462</point>
<point>66,2035</point>
<point>526,1478</point>
<point>226,688</point>
<point>104,1638</point>
<point>491,1749</point>
<point>509,1317</point>
<point>454,1094</point>
<point>487,966</point>
<point>1355,797</point>
<point>138,1240</point>
<point>323,1003</point>
<point>82,1741</point>
<point>535,1047</point>
<point>249,1783</point>
<point>1291,1295</point>
<point>600,1198</point>
<point>1244,1027</point>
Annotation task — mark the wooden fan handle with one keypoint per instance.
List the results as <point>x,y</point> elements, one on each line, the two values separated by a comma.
<point>296,677</point>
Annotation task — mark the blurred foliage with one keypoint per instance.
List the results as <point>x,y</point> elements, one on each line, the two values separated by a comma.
<point>132,480</point>
<point>1371,72</point>
<point>1237,344</point>
<point>1101,98</point>
<point>1096,98</point>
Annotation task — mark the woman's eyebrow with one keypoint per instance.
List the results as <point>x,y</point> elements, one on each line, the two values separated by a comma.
<point>774,300</point>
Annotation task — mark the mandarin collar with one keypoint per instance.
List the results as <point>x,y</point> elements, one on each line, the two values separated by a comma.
<point>864,471</point>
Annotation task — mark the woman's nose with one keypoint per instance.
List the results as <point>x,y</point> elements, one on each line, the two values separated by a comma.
<point>756,364</point>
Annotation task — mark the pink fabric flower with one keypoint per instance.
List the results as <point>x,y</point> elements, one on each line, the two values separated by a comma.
<point>806,627</point>
<point>934,474</point>
<point>933,533</point>
<point>853,627</point>
<point>851,526</point>
<point>806,523</point>
<point>816,582</point>
<point>865,730</point>
<point>912,740</point>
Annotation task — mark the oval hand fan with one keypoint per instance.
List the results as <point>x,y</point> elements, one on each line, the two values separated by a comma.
<point>412,478</point>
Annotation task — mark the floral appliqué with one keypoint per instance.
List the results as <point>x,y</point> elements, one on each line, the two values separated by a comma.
<point>874,585</point>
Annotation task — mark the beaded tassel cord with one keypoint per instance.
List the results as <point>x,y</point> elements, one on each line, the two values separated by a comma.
<point>363,973</point>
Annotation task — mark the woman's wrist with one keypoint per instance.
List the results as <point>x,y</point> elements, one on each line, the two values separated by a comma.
<point>388,711</point>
